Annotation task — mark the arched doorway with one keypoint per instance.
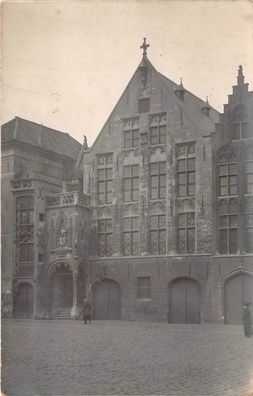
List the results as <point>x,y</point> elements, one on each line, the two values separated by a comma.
<point>237,290</point>
<point>24,301</point>
<point>106,300</point>
<point>184,301</point>
<point>61,288</point>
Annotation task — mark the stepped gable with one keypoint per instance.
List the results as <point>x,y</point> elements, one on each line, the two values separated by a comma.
<point>38,135</point>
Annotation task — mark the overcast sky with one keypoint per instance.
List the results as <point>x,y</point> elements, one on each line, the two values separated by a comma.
<point>66,63</point>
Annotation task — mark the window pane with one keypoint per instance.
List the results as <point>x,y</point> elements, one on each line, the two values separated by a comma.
<point>232,190</point>
<point>249,240</point>
<point>182,191</point>
<point>249,166</point>
<point>135,240</point>
<point>162,131</point>
<point>144,105</point>
<point>233,221</point>
<point>236,131</point>
<point>127,223</point>
<point>153,135</point>
<point>153,193</point>
<point>135,181</point>
<point>191,190</point>
<point>232,168</point>
<point>127,196</point>
<point>232,241</point>
<point>127,243</point>
<point>162,192</point>
<point>162,180</point>
<point>127,139</point>
<point>181,241</point>
<point>223,241</point>
<point>153,168</point>
<point>153,242</point>
<point>191,177</point>
<point>246,130</point>
<point>181,220</point>
<point>108,242</point>
<point>101,226</point>
<point>223,181</point>
<point>109,173</point>
<point>135,223</point>
<point>222,169</point>
<point>135,138</point>
<point>190,219</point>
<point>191,164</point>
<point>223,191</point>
<point>182,178</point>
<point>153,181</point>
<point>126,171</point>
<point>162,221</point>
<point>181,164</point>
<point>162,167</point>
<point>162,242</point>
<point>191,240</point>
<point>223,221</point>
<point>154,222</point>
<point>108,225</point>
<point>135,170</point>
<point>108,186</point>
<point>127,185</point>
<point>135,195</point>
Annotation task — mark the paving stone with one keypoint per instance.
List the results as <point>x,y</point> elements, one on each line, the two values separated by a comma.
<point>125,358</point>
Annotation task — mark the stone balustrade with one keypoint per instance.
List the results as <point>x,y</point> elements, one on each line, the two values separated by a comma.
<point>67,199</point>
<point>21,184</point>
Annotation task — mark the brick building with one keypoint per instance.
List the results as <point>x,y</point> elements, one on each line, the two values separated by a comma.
<point>153,222</point>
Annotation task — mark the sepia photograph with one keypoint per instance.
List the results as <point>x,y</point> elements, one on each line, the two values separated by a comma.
<point>127,198</point>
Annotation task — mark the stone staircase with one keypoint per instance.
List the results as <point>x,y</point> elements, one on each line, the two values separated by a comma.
<point>62,313</point>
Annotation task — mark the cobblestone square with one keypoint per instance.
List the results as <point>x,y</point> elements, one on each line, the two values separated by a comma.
<point>124,358</point>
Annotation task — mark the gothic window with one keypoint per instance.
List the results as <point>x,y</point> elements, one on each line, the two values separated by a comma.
<point>131,183</point>
<point>158,180</point>
<point>158,134</point>
<point>131,236</point>
<point>185,169</point>
<point>144,105</point>
<point>104,179</point>
<point>240,125</point>
<point>131,136</point>
<point>158,234</point>
<point>105,237</point>
<point>186,232</point>
<point>228,226</point>
<point>144,287</point>
<point>248,221</point>
<point>227,179</point>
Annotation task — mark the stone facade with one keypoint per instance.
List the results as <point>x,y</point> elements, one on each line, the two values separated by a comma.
<point>160,225</point>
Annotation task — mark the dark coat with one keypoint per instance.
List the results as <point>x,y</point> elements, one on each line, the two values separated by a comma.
<point>247,321</point>
<point>86,309</point>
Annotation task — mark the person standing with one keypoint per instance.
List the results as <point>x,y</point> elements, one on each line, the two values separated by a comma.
<point>86,311</point>
<point>247,321</point>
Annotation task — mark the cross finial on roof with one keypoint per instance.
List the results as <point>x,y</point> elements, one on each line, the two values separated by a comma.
<point>144,46</point>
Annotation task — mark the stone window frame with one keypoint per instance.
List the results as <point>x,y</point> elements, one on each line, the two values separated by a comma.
<point>156,175</point>
<point>248,226</point>
<point>133,232</point>
<point>104,233</point>
<point>131,133</point>
<point>130,182</point>
<point>104,178</point>
<point>144,105</point>
<point>228,226</point>
<point>157,231</point>
<point>143,288</point>
<point>228,179</point>
<point>187,226</point>
<point>186,154</point>
<point>240,124</point>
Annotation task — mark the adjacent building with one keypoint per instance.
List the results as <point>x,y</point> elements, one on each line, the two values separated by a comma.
<point>153,222</point>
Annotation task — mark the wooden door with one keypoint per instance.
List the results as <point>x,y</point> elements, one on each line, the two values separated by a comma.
<point>184,301</point>
<point>24,301</point>
<point>237,291</point>
<point>106,300</point>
